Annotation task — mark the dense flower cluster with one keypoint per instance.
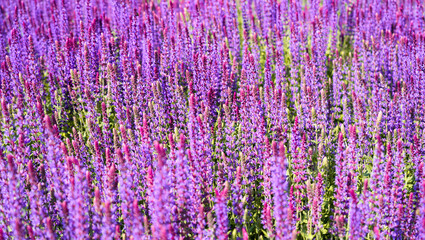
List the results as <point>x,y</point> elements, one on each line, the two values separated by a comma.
<point>212,119</point>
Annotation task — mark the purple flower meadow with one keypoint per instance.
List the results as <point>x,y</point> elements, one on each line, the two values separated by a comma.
<point>212,119</point>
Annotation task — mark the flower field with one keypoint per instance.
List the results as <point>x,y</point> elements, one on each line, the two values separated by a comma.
<point>212,119</point>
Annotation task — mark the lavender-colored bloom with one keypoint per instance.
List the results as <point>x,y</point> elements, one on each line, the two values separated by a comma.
<point>354,218</point>
<point>281,211</point>
<point>420,222</point>
<point>160,204</point>
<point>221,212</point>
<point>267,220</point>
<point>341,178</point>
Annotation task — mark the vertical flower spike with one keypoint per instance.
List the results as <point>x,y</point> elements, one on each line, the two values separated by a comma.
<point>267,220</point>
<point>138,230</point>
<point>107,221</point>
<point>378,162</point>
<point>15,191</point>
<point>317,202</point>
<point>352,155</point>
<point>299,165</point>
<point>267,169</point>
<point>109,211</point>
<point>4,109</point>
<point>282,212</point>
<point>161,204</point>
<point>49,229</point>
<point>355,217</point>
<point>125,183</point>
<point>221,212</point>
<point>97,213</point>
<point>342,184</point>
<point>397,191</point>
<point>36,202</point>
<point>338,84</point>
<point>237,197</point>
<point>420,221</point>
<point>183,185</point>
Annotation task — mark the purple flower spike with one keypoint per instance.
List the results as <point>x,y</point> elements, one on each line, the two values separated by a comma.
<point>221,212</point>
